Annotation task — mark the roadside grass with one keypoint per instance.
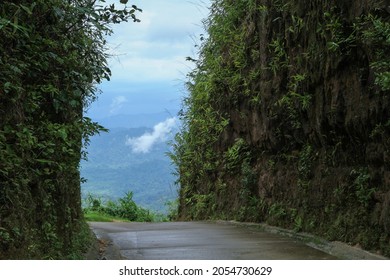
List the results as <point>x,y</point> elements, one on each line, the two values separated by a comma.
<point>96,209</point>
<point>95,216</point>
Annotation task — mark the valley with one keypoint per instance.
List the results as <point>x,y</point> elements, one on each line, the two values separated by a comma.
<point>113,168</point>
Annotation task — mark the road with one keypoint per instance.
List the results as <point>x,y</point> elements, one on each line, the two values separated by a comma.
<point>199,241</point>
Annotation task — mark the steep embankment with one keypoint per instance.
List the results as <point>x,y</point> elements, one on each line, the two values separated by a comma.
<point>288,120</point>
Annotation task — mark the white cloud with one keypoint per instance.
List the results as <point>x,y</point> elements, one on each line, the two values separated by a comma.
<point>155,48</point>
<point>144,143</point>
<point>117,103</point>
<point>148,59</point>
<point>142,69</point>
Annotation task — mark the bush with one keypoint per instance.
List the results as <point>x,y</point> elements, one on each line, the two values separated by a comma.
<point>124,208</point>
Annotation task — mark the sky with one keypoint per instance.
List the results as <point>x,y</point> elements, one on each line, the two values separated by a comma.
<point>149,64</point>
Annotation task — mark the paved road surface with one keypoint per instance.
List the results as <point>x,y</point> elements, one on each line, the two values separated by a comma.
<point>199,241</point>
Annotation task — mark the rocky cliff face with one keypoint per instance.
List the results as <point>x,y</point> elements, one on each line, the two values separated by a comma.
<point>288,120</point>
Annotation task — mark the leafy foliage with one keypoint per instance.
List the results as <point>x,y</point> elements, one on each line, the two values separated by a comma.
<point>53,55</point>
<point>286,119</point>
<point>124,208</point>
<point>222,58</point>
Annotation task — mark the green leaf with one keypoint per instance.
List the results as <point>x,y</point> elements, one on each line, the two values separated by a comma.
<point>7,87</point>
<point>26,9</point>
<point>44,161</point>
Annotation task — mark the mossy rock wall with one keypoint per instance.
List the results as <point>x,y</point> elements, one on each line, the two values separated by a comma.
<point>288,121</point>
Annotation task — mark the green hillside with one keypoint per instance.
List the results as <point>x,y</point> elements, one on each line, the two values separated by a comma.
<point>113,169</point>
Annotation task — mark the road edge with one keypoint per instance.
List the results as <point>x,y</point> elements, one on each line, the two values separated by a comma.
<point>335,248</point>
<point>102,247</point>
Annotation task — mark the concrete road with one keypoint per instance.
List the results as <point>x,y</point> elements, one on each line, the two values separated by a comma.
<point>199,241</point>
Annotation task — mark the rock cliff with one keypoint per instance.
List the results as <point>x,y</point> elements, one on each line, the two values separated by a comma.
<point>287,119</point>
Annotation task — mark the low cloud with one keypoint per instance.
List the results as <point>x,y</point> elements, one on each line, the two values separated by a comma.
<point>144,143</point>
<point>117,104</point>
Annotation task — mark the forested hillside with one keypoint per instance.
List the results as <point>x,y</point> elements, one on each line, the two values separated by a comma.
<point>113,169</point>
<point>52,56</point>
<point>287,120</point>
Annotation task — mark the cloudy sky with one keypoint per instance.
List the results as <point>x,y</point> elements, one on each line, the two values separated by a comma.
<point>149,63</point>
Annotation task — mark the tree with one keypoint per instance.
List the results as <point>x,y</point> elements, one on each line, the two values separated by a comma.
<point>53,55</point>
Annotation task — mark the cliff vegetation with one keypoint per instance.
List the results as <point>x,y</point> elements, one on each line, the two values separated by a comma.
<point>287,119</point>
<point>52,55</point>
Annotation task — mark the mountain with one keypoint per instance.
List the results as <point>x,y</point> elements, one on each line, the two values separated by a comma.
<point>113,168</point>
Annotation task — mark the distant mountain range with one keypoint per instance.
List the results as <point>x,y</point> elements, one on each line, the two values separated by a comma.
<point>113,168</point>
<point>133,121</point>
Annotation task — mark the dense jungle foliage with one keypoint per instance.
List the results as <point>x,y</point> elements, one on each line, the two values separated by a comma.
<point>52,55</point>
<point>287,119</point>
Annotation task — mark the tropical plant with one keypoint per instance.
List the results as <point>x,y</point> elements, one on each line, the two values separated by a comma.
<point>52,56</point>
